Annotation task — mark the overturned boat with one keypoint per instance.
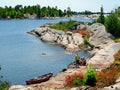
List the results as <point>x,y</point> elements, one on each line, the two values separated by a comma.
<point>39,79</point>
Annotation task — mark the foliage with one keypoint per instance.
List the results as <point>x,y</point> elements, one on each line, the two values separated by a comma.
<point>86,12</point>
<point>117,61</point>
<point>117,40</point>
<point>77,82</point>
<point>86,40</point>
<point>90,77</point>
<point>101,19</point>
<point>3,84</point>
<point>117,55</point>
<point>75,79</point>
<point>64,26</point>
<point>23,12</point>
<point>117,11</point>
<point>112,24</point>
<point>81,45</point>
<point>106,77</point>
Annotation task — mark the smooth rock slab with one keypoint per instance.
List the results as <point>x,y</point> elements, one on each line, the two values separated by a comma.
<point>20,87</point>
<point>65,39</point>
<point>104,57</point>
<point>99,36</point>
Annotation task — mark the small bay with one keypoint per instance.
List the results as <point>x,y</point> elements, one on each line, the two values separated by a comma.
<point>20,53</point>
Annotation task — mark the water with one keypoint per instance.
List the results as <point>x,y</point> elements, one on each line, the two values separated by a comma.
<point>20,53</point>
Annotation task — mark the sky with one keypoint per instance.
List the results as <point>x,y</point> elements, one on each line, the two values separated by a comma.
<point>75,5</point>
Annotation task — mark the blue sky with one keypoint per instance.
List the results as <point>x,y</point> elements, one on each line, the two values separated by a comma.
<point>75,5</point>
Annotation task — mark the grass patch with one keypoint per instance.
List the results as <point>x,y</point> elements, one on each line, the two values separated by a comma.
<point>64,26</point>
<point>117,40</point>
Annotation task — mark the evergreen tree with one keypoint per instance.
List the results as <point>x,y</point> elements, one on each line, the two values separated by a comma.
<point>101,18</point>
<point>69,12</point>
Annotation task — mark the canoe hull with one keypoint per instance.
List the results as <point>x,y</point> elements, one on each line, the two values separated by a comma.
<point>39,79</point>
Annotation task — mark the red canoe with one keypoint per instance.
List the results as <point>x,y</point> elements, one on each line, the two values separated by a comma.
<point>39,79</point>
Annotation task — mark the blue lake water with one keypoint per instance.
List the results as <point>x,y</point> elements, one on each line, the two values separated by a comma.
<point>20,53</point>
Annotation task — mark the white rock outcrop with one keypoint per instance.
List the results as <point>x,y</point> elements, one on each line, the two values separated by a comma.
<point>68,40</point>
<point>99,36</point>
<point>104,57</point>
<point>20,87</point>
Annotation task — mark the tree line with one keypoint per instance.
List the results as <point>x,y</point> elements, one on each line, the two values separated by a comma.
<point>19,11</point>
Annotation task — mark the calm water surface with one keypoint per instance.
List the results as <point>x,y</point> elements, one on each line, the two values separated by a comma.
<point>20,53</point>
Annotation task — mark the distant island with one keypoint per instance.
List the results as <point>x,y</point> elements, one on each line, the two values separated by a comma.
<point>38,12</point>
<point>33,12</point>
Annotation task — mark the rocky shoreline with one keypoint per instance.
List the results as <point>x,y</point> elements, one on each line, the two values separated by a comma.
<point>101,54</point>
<point>70,41</point>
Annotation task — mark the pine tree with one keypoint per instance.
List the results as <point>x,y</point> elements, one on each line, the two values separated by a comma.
<point>101,19</point>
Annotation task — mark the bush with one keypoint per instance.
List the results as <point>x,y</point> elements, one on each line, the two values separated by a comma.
<point>86,40</point>
<point>106,77</point>
<point>112,23</point>
<point>81,45</point>
<point>77,82</point>
<point>90,77</point>
<point>73,80</point>
<point>117,61</point>
<point>117,40</point>
<point>117,55</point>
<point>4,85</point>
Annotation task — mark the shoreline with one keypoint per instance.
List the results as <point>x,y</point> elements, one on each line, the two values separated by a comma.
<point>102,57</point>
<point>100,49</point>
<point>43,18</point>
<point>69,41</point>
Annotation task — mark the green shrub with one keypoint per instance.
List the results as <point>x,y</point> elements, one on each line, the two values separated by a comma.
<point>117,40</point>
<point>86,40</point>
<point>4,85</point>
<point>77,82</point>
<point>112,23</point>
<point>81,45</point>
<point>76,79</point>
<point>90,77</point>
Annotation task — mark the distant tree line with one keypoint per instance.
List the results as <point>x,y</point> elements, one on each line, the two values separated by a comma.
<point>19,11</point>
<point>87,12</point>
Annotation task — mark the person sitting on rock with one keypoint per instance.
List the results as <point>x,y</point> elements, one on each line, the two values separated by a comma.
<point>77,58</point>
<point>82,61</point>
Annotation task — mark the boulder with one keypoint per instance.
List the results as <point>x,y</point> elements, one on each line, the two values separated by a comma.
<point>64,41</point>
<point>47,37</point>
<point>72,48</point>
<point>104,57</point>
<point>77,39</point>
<point>82,27</point>
<point>99,37</point>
